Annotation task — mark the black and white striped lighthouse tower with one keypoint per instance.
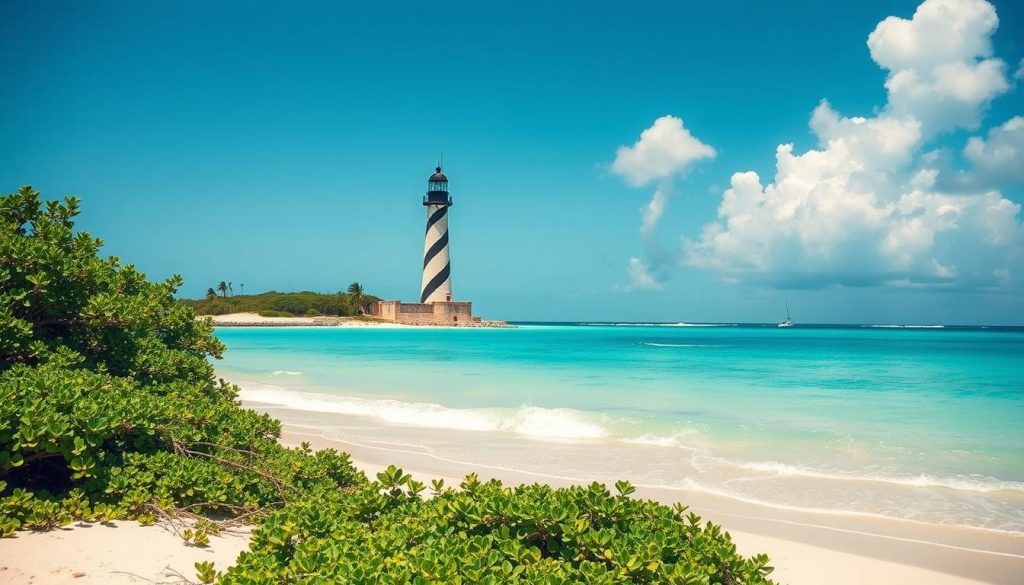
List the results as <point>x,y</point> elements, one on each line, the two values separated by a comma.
<point>437,277</point>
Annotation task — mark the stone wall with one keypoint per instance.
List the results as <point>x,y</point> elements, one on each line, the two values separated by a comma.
<point>456,313</point>
<point>415,308</point>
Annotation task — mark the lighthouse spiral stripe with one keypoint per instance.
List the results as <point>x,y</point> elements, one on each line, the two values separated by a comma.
<point>436,264</point>
<point>435,216</point>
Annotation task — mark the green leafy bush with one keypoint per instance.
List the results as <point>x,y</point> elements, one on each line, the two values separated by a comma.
<point>269,313</point>
<point>109,409</point>
<point>487,533</point>
<point>283,304</point>
<point>108,404</point>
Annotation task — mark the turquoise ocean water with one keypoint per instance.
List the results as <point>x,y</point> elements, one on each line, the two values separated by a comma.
<point>918,423</point>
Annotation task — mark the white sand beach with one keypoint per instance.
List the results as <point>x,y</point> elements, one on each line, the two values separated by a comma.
<point>796,561</point>
<point>257,320</point>
<point>805,549</point>
<point>114,553</point>
<point>825,558</point>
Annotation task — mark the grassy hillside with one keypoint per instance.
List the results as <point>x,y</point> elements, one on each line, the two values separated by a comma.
<point>283,304</point>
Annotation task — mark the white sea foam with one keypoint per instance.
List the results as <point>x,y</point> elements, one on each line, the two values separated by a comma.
<point>652,344</point>
<point>680,324</point>
<point>286,373</point>
<point>690,484</point>
<point>905,326</point>
<point>561,423</point>
<point>677,439</point>
<point>564,423</point>
<point>530,421</point>
<point>970,483</point>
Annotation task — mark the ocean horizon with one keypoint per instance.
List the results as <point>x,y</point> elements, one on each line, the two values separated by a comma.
<point>915,422</point>
<point>759,325</point>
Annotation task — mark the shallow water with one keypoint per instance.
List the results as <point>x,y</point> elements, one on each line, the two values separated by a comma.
<point>924,424</point>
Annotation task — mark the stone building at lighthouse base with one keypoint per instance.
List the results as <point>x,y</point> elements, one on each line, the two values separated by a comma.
<point>451,313</point>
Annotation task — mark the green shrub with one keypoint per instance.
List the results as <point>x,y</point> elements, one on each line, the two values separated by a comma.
<point>283,304</point>
<point>108,404</point>
<point>487,533</point>
<point>270,313</point>
<point>109,409</point>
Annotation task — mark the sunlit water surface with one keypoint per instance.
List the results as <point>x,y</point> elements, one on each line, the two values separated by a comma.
<point>925,424</point>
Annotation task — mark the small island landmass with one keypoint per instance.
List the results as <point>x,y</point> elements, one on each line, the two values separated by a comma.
<point>353,307</point>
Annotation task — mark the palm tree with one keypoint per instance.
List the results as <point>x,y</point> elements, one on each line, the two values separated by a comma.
<point>211,294</point>
<point>223,288</point>
<point>355,290</point>
<point>230,290</point>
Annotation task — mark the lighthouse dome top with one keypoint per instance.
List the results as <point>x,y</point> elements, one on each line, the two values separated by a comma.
<point>438,176</point>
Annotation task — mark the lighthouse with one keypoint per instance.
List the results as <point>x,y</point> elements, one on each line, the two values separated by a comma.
<point>436,284</point>
<point>436,306</point>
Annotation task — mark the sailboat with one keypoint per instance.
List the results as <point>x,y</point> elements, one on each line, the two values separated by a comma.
<point>788,322</point>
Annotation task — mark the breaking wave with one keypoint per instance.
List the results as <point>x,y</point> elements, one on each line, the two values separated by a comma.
<point>968,483</point>
<point>677,439</point>
<point>904,326</point>
<point>680,324</point>
<point>530,421</point>
<point>569,424</point>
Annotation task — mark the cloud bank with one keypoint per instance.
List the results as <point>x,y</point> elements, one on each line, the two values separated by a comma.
<point>866,207</point>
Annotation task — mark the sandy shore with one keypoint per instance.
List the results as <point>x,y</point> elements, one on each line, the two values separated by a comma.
<point>256,320</point>
<point>806,548</point>
<point>115,553</point>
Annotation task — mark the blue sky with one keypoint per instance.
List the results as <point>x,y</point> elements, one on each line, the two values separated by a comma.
<point>287,148</point>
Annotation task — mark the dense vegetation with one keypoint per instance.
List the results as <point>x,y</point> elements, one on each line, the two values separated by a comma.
<point>283,304</point>
<point>109,409</point>
<point>486,533</point>
<point>108,404</point>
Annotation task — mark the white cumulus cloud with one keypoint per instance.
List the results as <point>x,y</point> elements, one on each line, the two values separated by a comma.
<point>640,277</point>
<point>999,157</point>
<point>655,208</point>
<point>665,149</point>
<point>865,207</point>
<point>663,152</point>
<point>941,69</point>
